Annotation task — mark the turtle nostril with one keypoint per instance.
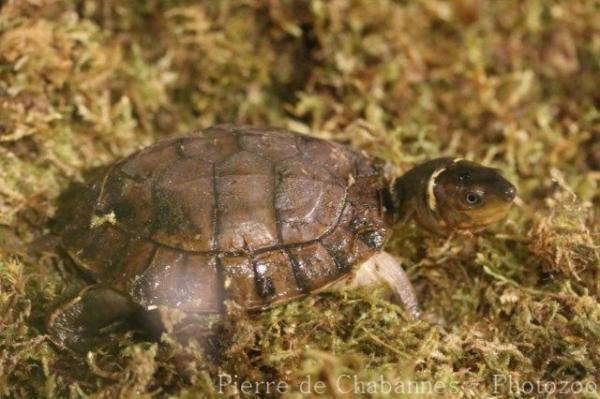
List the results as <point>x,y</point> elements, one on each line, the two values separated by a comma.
<point>510,193</point>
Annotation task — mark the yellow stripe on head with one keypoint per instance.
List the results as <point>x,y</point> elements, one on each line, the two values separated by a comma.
<point>431,200</point>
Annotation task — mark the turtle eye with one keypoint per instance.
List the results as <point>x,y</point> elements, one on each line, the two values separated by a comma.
<point>472,198</point>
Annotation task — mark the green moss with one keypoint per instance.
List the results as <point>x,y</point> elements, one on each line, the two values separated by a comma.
<point>510,83</point>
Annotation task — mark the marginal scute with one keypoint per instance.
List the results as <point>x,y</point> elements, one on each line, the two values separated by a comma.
<point>201,283</point>
<point>343,244</point>
<point>275,269</point>
<point>373,238</point>
<point>239,281</point>
<point>161,282</point>
<point>314,266</point>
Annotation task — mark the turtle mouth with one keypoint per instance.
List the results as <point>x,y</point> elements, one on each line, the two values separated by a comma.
<point>492,213</point>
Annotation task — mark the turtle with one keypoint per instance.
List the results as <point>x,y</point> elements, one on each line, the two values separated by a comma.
<point>256,217</point>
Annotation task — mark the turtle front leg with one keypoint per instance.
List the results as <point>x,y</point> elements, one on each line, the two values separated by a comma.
<point>83,321</point>
<point>384,268</point>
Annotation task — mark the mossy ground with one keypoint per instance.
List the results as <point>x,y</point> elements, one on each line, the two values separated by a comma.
<point>514,84</point>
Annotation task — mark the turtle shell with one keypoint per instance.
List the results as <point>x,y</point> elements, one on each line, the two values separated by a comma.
<point>255,215</point>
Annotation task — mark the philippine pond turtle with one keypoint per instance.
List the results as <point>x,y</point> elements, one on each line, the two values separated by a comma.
<point>258,216</point>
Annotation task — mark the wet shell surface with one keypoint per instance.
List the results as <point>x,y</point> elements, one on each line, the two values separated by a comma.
<point>255,215</point>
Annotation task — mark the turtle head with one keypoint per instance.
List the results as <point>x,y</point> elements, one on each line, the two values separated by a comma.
<point>448,194</point>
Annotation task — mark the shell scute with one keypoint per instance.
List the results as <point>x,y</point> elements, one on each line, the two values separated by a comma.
<point>314,266</point>
<point>184,205</point>
<point>239,281</point>
<point>179,279</point>
<point>130,202</point>
<point>275,276</point>
<point>308,199</point>
<point>274,148</point>
<point>258,216</point>
<point>84,247</point>
<point>210,148</point>
<point>134,262</point>
<point>149,161</point>
<point>340,161</point>
<point>245,214</point>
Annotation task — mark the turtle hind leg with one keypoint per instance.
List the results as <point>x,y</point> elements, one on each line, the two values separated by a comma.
<point>85,320</point>
<point>384,268</point>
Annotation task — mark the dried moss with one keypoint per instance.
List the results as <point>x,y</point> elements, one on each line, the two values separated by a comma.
<point>510,83</point>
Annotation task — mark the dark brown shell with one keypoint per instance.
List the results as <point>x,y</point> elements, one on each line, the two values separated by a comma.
<point>259,216</point>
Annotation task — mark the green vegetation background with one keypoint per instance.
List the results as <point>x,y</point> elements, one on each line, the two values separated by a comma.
<point>514,84</point>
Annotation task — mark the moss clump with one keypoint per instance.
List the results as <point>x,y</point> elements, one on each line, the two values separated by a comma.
<point>510,83</point>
